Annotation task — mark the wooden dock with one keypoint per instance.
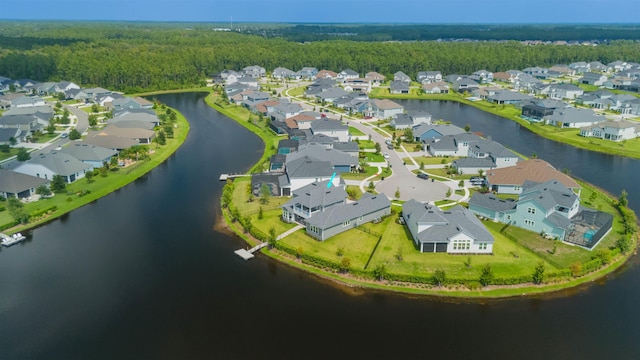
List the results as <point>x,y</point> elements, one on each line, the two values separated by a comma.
<point>248,254</point>
<point>224,177</point>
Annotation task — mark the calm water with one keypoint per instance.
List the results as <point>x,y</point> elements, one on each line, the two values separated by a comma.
<point>143,274</point>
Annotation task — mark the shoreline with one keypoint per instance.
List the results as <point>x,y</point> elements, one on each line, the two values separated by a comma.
<point>581,143</point>
<point>458,291</point>
<point>141,170</point>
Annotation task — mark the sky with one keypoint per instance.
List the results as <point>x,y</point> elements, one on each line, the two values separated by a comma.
<point>329,11</point>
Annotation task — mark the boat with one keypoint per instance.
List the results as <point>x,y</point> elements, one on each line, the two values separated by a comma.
<point>8,240</point>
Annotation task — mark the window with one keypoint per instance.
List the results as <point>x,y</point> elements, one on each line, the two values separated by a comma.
<point>314,229</point>
<point>461,244</point>
<point>346,223</point>
<point>508,217</point>
<point>482,246</point>
<point>361,218</point>
<point>529,222</point>
<point>531,210</point>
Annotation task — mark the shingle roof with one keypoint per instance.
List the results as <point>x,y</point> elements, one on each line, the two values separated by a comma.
<point>328,125</point>
<point>492,202</point>
<point>317,194</point>
<point>59,163</point>
<point>548,194</point>
<point>321,153</point>
<point>445,224</point>
<point>87,152</point>
<point>15,182</point>
<point>306,167</point>
<point>533,170</point>
<point>338,214</point>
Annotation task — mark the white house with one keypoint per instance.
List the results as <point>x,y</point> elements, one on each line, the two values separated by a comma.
<point>612,130</point>
<point>54,163</point>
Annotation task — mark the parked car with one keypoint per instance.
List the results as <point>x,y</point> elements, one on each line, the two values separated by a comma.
<point>423,176</point>
<point>390,147</point>
<point>64,135</point>
<point>388,142</point>
<point>386,156</point>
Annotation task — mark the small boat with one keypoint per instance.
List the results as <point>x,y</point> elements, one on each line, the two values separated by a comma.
<point>8,240</point>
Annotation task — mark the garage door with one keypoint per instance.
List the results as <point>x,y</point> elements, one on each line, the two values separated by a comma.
<point>441,247</point>
<point>427,247</point>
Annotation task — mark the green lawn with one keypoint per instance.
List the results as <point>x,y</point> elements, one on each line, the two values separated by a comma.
<point>356,246</point>
<point>366,144</point>
<point>12,152</point>
<point>373,157</point>
<point>355,132</point>
<point>368,171</point>
<point>431,160</point>
<point>296,91</point>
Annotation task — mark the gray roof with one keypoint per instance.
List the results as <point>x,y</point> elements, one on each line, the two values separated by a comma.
<point>450,142</point>
<point>321,153</point>
<point>470,162</point>
<point>88,152</point>
<point>328,125</point>
<point>332,93</point>
<point>348,146</point>
<point>493,148</point>
<point>12,120</point>
<point>146,115</point>
<point>7,133</point>
<point>15,182</point>
<point>46,110</point>
<point>566,87</point>
<point>573,115</point>
<point>402,119</point>
<point>306,167</point>
<point>349,72</point>
<point>398,86</point>
<point>548,194</point>
<point>492,202</point>
<point>319,139</point>
<point>443,129</point>
<point>134,124</point>
<point>338,214</point>
<point>59,163</point>
<point>445,224</point>
<point>110,141</point>
<point>317,194</point>
<point>508,95</point>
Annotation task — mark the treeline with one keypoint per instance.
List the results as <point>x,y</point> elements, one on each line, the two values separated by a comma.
<point>152,57</point>
<point>416,32</point>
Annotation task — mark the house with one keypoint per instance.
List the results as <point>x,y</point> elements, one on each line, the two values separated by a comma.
<point>275,182</point>
<point>375,78</point>
<point>428,77</point>
<point>28,101</point>
<point>255,71</point>
<point>139,115</point>
<point>402,77</point>
<point>454,231</point>
<point>326,74</point>
<point>502,77</point>
<point>564,91</point>
<point>325,211</point>
<point>143,136</point>
<point>507,97</point>
<point>284,73</point>
<point>341,162</point>
<point>6,100</point>
<point>332,128</point>
<point>357,85</point>
<point>573,118</point>
<point>465,85</point>
<point>439,87</point>
<point>612,130</point>
<point>548,208</point>
<point>348,74</point>
<point>452,145</point>
<point>64,86</point>
<point>510,180</point>
<point>482,76</point>
<point>304,171</point>
<point>110,141</point>
<point>89,154</point>
<point>54,163</point>
<point>19,185</point>
<point>341,218</point>
<point>27,123</point>
<point>384,108</point>
<point>537,72</point>
<point>484,155</point>
<point>249,81</point>
<point>594,79</point>
<point>537,109</point>
<point>425,133</point>
<point>96,92</point>
<point>579,67</point>
<point>564,70</point>
<point>405,121</point>
<point>399,87</point>
<point>126,103</point>
<point>11,136</point>
<point>332,94</point>
<point>307,72</point>
<point>45,88</point>
<point>598,66</point>
<point>312,199</point>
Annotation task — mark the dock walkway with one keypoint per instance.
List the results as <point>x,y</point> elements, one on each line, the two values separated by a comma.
<point>248,254</point>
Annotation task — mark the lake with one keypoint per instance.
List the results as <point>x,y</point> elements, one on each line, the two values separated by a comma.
<point>143,273</point>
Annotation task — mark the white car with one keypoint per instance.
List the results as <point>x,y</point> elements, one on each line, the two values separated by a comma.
<point>386,156</point>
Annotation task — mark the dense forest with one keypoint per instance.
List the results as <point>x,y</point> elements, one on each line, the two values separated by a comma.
<point>149,56</point>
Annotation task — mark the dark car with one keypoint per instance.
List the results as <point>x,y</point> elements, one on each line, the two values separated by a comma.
<point>423,176</point>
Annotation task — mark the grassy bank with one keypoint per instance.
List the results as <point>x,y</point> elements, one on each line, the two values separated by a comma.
<point>629,148</point>
<point>83,192</point>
